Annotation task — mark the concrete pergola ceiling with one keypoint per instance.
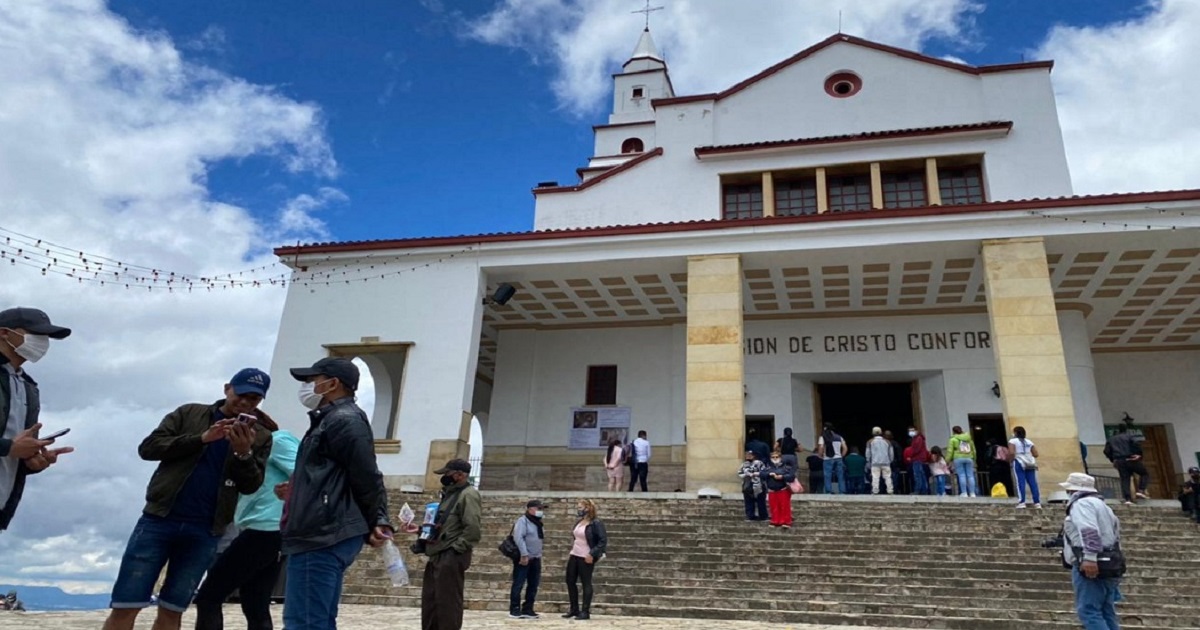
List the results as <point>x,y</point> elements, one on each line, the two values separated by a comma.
<point>1138,290</point>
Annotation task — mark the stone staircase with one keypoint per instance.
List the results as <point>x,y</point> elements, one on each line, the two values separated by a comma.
<point>909,562</point>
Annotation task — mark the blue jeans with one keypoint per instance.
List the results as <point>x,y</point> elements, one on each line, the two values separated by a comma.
<point>831,467</point>
<point>920,478</point>
<point>1023,478</point>
<point>1094,601</point>
<point>964,468</point>
<point>186,549</point>
<point>531,575</point>
<point>941,481</point>
<point>314,585</point>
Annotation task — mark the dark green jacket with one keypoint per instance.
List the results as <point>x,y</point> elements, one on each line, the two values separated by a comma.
<point>462,527</point>
<point>33,408</point>
<point>176,445</point>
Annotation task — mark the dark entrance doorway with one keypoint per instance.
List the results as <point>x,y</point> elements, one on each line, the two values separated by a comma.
<point>989,429</point>
<point>763,427</point>
<point>854,408</point>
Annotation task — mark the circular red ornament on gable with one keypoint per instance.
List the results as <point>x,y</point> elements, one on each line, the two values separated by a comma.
<point>843,85</point>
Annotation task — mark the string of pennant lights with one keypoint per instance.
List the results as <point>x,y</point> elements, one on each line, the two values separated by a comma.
<point>87,268</point>
<point>1123,223</point>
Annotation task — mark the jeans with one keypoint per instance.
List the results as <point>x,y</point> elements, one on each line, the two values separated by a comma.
<point>530,577</point>
<point>831,467</point>
<point>314,585</point>
<point>639,474</point>
<point>855,485</point>
<point>941,481</point>
<point>249,565</point>
<point>756,506</point>
<point>964,468</point>
<point>1024,477</point>
<point>578,571</point>
<point>186,549</point>
<point>1127,469</point>
<point>442,590</point>
<point>884,473</point>
<point>920,476</point>
<point>1094,601</point>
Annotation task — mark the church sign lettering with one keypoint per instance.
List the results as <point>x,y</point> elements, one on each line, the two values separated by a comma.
<point>877,342</point>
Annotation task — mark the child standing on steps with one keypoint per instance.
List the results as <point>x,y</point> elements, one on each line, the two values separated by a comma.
<point>939,469</point>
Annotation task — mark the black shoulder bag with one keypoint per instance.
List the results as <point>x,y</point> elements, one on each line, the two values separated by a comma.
<point>508,547</point>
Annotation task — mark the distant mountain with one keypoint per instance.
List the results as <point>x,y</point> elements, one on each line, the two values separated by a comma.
<point>53,598</point>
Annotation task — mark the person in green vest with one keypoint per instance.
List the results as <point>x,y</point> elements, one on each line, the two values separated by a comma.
<point>962,457</point>
<point>856,467</point>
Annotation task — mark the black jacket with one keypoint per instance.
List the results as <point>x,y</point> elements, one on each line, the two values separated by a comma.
<point>773,484</point>
<point>337,490</point>
<point>33,408</point>
<point>597,539</point>
<point>1121,447</point>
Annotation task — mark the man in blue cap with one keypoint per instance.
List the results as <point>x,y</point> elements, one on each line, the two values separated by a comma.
<point>208,455</point>
<point>335,501</point>
<point>25,335</point>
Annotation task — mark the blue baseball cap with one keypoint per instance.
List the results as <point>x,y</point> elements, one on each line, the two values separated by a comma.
<point>250,381</point>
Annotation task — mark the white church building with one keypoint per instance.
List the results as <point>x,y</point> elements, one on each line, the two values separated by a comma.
<point>859,234</point>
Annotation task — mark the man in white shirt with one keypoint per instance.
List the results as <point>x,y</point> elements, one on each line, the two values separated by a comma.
<point>25,335</point>
<point>641,461</point>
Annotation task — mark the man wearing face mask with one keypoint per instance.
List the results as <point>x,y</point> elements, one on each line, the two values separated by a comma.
<point>208,455</point>
<point>459,528</point>
<point>335,501</point>
<point>528,533</point>
<point>25,335</point>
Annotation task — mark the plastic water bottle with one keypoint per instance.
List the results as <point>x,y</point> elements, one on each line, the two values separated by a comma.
<point>397,570</point>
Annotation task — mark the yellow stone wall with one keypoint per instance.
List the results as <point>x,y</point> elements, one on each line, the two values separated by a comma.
<point>715,372</point>
<point>1032,370</point>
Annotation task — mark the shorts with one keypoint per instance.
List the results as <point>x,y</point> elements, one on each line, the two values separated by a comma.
<point>616,473</point>
<point>186,549</point>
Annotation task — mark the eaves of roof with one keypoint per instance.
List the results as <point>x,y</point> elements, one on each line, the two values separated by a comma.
<point>997,125</point>
<point>720,224</point>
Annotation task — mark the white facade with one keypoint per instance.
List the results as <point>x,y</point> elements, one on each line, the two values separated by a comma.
<point>1128,300</point>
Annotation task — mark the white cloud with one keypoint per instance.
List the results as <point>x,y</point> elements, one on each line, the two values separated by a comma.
<point>108,135</point>
<point>1126,99</point>
<point>709,44</point>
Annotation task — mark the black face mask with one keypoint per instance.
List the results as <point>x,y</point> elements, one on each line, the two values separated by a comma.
<point>448,480</point>
<point>581,513</point>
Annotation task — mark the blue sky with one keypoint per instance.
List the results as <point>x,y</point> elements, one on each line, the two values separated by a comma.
<point>439,133</point>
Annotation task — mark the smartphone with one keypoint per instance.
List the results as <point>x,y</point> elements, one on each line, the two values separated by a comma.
<point>56,435</point>
<point>247,418</point>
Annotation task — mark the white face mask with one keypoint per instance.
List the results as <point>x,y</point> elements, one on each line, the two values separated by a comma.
<point>912,434</point>
<point>538,514</point>
<point>309,397</point>
<point>33,348</point>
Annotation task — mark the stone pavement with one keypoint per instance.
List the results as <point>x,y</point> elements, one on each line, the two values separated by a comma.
<point>373,617</point>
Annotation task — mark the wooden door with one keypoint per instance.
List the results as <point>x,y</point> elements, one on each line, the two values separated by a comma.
<point>1156,455</point>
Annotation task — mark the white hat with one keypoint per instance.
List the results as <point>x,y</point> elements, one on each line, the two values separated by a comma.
<point>876,431</point>
<point>1079,482</point>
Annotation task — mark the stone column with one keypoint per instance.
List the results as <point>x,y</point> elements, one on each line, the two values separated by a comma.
<point>1030,363</point>
<point>715,372</point>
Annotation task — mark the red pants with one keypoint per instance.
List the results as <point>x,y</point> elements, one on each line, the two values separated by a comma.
<point>781,507</point>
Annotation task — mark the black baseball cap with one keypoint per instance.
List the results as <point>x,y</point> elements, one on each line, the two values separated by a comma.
<point>1193,469</point>
<point>534,503</point>
<point>34,321</point>
<point>454,465</point>
<point>333,367</point>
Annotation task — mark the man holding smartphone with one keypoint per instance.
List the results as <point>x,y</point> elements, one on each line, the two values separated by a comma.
<point>25,335</point>
<point>207,458</point>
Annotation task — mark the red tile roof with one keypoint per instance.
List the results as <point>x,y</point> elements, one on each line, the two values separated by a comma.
<point>858,41</point>
<point>1005,125</point>
<point>1023,205</point>
<point>599,178</point>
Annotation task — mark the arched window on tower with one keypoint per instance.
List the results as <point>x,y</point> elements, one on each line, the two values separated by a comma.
<point>633,145</point>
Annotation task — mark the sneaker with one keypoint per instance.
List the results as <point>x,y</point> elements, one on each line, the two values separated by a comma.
<point>1127,503</point>
<point>514,615</point>
<point>1037,505</point>
<point>786,526</point>
<point>972,495</point>
<point>530,615</point>
<point>963,495</point>
<point>1021,506</point>
<point>1142,495</point>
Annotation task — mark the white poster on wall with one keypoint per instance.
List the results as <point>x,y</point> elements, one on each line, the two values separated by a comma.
<point>595,427</point>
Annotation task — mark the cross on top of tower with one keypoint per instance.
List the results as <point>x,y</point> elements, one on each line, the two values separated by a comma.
<point>648,10</point>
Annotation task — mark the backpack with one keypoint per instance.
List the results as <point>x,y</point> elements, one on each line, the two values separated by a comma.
<point>965,447</point>
<point>1000,454</point>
